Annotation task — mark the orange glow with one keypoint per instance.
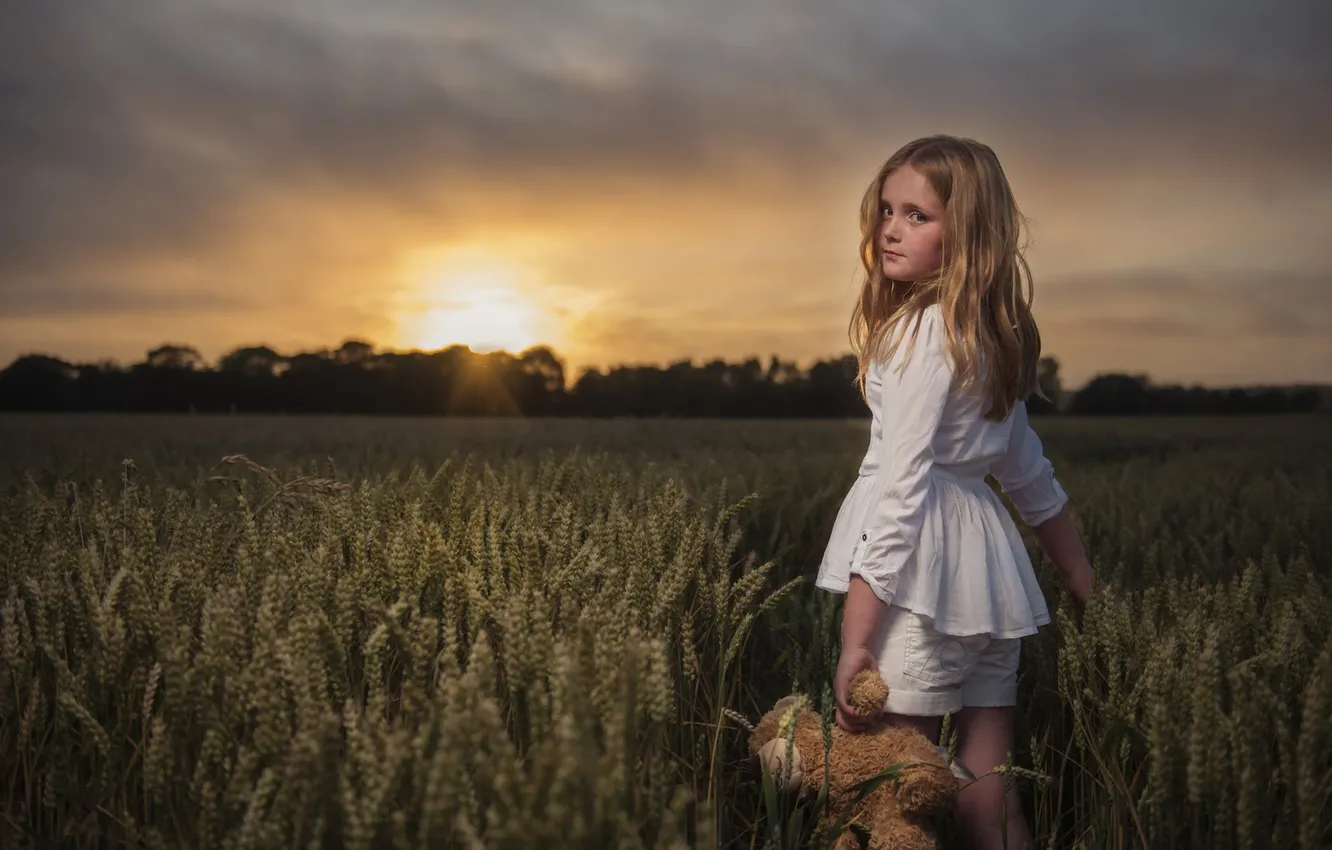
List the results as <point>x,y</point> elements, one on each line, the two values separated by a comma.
<point>474,298</point>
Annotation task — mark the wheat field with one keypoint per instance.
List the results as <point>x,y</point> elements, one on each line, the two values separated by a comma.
<point>263,632</point>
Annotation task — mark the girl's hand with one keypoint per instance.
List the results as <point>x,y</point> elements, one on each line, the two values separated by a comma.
<point>853,660</point>
<point>1082,587</point>
<point>1081,583</point>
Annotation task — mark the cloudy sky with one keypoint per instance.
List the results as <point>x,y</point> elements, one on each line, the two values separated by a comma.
<point>642,182</point>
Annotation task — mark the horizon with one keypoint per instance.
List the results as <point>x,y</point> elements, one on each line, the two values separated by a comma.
<point>572,374</point>
<point>639,186</point>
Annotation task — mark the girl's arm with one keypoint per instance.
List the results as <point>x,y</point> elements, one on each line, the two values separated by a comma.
<point>1059,537</point>
<point>1027,477</point>
<point>860,614</point>
<point>912,396</point>
<point>860,619</point>
<point>913,392</point>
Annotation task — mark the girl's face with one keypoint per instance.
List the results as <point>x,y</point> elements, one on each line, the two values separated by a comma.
<point>911,229</point>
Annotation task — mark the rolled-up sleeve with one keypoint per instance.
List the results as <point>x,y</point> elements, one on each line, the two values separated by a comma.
<point>912,399</point>
<point>1026,475</point>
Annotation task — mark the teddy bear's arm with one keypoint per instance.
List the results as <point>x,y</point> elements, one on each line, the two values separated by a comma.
<point>927,786</point>
<point>894,833</point>
<point>889,827</point>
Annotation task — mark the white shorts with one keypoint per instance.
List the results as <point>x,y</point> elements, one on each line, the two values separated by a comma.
<point>930,674</point>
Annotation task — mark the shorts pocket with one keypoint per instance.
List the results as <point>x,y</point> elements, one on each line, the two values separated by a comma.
<point>939,659</point>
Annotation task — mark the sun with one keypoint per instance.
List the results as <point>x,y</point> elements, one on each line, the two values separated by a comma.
<point>480,316</point>
<point>475,299</point>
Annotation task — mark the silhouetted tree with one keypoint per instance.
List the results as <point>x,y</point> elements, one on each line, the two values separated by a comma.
<point>542,391</point>
<point>353,352</point>
<point>1113,394</point>
<point>174,357</point>
<point>253,362</point>
<point>354,378</point>
<point>39,382</point>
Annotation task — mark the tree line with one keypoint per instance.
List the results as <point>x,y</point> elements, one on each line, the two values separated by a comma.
<point>455,381</point>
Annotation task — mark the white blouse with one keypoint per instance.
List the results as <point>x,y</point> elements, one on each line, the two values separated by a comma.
<point>921,525</point>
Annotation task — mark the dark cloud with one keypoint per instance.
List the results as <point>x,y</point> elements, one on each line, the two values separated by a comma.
<point>74,297</point>
<point>143,128</point>
<point>1251,303</point>
<point>170,112</point>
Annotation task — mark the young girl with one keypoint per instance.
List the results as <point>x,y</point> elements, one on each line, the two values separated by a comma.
<point>939,586</point>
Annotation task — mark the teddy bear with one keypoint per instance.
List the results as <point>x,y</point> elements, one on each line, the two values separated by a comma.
<point>897,812</point>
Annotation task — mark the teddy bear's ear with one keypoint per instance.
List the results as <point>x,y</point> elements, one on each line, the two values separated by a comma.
<point>784,703</point>
<point>772,756</point>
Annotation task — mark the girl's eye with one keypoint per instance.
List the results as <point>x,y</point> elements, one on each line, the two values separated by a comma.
<point>920,216</point>
<point>885,210</point>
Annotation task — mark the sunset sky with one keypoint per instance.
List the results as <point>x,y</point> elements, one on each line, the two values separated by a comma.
<point>640,183</point>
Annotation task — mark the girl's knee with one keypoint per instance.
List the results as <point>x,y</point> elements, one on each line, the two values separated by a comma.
<point>985,737</point>
<point>987,791</point>
<point>985,814</point>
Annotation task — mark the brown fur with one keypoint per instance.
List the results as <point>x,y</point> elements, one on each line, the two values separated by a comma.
<point>897,812</point>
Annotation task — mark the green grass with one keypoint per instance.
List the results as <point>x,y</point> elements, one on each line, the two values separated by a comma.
<point>401,633</point>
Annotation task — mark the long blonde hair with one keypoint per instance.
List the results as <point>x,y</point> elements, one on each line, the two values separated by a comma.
<point>979,287</point>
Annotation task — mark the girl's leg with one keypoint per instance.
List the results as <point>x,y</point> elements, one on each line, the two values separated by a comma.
<point>984,738</point>
<point>927,726</point>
